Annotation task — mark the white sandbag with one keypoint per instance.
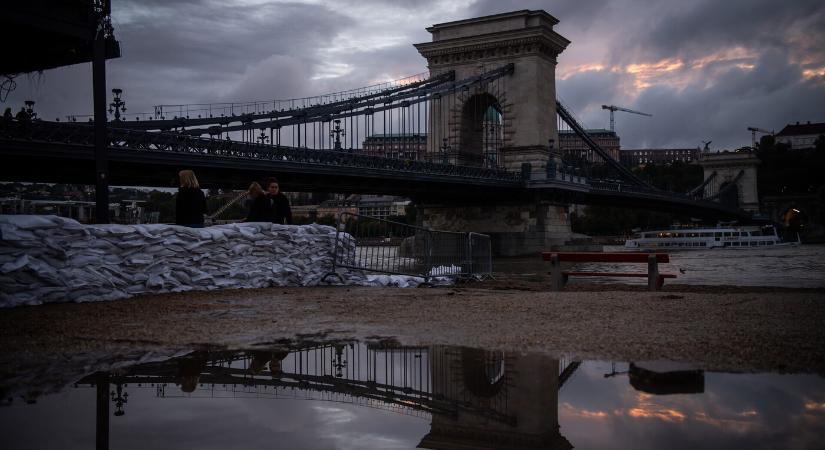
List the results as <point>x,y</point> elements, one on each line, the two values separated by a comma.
<point>53,259</point>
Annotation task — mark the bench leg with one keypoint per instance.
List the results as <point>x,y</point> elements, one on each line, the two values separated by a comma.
<point>660,281</point>
<point>556,277</point>
<point>653,279</point>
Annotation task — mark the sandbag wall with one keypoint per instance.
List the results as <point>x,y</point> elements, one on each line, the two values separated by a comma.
<point>47,259</point>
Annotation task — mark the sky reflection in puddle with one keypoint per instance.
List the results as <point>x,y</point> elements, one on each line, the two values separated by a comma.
<point>378,396</point>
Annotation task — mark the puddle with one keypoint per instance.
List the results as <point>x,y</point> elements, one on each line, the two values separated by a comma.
<point>381,395</point>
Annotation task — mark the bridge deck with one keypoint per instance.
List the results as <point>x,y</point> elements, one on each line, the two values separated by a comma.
<point>56,152</point>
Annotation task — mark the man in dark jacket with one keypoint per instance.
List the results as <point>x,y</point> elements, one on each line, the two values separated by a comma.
<point>281,212</point>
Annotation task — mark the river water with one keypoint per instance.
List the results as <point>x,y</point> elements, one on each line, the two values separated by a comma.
<point>357,396</point>
<point>793,267</point>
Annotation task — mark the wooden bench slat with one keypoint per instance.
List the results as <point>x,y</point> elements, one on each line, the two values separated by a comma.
<point>616,257</point>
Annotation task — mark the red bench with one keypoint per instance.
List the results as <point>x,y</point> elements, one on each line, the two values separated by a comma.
<point>558,278</point>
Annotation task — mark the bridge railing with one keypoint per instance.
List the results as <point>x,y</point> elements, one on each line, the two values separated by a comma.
<point>383,246</point>
<point>82,135</point>
<point>619,186</point>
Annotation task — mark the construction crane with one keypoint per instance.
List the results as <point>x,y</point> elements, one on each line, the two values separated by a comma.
<point>613,109</point>
<point>753,131</point>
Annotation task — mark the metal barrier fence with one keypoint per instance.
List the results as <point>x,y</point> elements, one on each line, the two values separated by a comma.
<point>383,246</point>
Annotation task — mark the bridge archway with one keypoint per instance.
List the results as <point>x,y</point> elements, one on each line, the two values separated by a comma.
<point>482,131</point>
<point>726,168</point>
<point>483,372</point>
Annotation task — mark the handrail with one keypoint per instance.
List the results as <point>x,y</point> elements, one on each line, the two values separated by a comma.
<point>82,134</point>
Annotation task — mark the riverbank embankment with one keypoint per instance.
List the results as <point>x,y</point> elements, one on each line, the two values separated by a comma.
<point>735,329</point>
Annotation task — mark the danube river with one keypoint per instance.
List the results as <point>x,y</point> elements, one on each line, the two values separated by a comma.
<point>794,267</point>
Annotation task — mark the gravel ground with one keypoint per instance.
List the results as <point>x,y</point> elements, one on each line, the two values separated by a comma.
<point>730,329</point>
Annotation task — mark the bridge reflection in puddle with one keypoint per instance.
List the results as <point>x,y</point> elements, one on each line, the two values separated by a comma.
<point>353,395</point>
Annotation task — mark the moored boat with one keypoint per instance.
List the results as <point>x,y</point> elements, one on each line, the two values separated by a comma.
<point>705,238</point>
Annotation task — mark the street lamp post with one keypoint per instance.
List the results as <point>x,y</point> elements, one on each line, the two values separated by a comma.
<point>118,105</point>
<point>337,132</point>
<point>104,29</point>
<point>445,151</point>
<point>263,138</point>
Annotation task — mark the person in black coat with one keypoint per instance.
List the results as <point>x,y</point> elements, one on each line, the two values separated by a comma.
<point>190,203</point>
<point>281,211</point>
<point>260,209</point>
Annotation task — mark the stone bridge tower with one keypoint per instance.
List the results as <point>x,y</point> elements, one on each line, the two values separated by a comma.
<point>739,168</point>
<point>523,103</point>
<point>507,400</point>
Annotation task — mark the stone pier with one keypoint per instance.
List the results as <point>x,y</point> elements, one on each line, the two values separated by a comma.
<point>515,230</point>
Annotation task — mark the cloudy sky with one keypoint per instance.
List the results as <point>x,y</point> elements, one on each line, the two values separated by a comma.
<point>705,69</point>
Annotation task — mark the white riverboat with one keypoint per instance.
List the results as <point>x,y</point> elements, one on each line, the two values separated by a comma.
<point>705,238</point>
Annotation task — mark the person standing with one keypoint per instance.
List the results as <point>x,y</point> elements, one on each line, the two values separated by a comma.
<point>260,209</point>
<point>281,212</point>
<point>190,203</point>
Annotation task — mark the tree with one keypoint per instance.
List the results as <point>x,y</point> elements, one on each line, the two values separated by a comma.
<point>676,177</point>
<point>783,171</point>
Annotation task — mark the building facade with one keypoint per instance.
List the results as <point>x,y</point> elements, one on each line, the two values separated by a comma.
<point>382,206</point>
<point>573,148</point>
<point>331,208</point>
<point>378,206</point>
<point>658,156</point>
<point>411,146</point>
<point>801,136</point>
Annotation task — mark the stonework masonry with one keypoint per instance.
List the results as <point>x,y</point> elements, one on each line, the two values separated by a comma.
<point>526,99</point>
<point>727,166</point>
<point>531,402</point>
<point>514,229</point>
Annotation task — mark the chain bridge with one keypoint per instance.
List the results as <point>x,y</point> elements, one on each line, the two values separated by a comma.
<point>469,395</point>
<point>479,130</point>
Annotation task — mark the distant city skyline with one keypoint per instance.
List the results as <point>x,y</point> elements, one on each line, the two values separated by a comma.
<point>705,70</point>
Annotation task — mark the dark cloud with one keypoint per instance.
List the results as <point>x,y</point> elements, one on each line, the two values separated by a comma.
<point>735,64</point>
<point>694,30</point>
<point>741,64</point>
<point>769,95</point>
<point>578,14</point>
<point>199,51</point>
<point>226,38</point>
<point>585,92</point>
